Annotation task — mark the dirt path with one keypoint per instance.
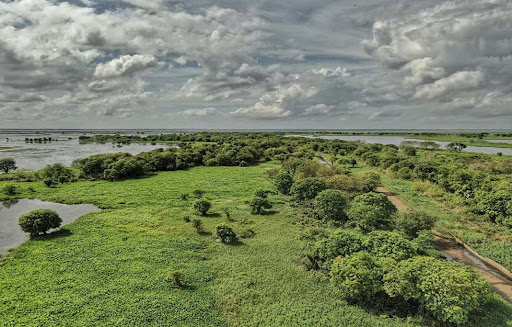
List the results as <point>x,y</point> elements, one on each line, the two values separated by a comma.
<point>452,251</point>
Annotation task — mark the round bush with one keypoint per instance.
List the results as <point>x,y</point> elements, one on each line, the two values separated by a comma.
<point>202,206</point>
<point>39,221</point>
<point>371,210</point>
<point>331,205</point>
<point>283,182</point>
<point>226,234</point>
<point>259,204</point>
<point>308,188</point>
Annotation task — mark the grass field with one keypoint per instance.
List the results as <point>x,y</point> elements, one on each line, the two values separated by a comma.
<point>111,268</point>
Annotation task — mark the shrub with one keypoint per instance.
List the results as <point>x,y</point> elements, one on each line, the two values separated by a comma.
<point>198,225</point>
<point>340,243</point>
<point>412,222</point>
<point>226,234</point>
<point>7,164</point>
<point>198,193</point>
<point>448,290</point>
<point>175,277</point>
<point>48,182</point>
<point>371,210</point>
<point>227,212</point>
<point>186,219</point>
<point>39,221</point>
<point>371,180</point>
<point>202,206</point>
<point>261,193</point>
<point>405,173</point>
<point>389,245</point>
<point>409,151</point>
<point>496,205</point>
<point>283,182</point>
<point>259,204</point>
<point>184,196</point>
<point>358,277</point>
<point>331,205</point>
<point>10,189</point>
<point>307,188</point>
<point>57,173</point>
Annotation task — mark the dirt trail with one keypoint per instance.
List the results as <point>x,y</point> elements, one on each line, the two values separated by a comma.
<point>452,251</point>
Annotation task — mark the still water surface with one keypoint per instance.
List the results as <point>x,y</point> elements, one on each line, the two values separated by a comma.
<point>10,233</point>
<point>64,148</point>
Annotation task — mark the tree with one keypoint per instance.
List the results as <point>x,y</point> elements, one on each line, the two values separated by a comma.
<point>456,146</point>
<point>308,188</point>
<point>413,221</point>
<point>226,234</point>
<point>202,206</point>
<point>358,277</point>
<point>409,151</point>
<point>7,164</point>
<point>370,210</point>
<point>259,204</point>
<point>39,221</point>
<point>448,290</point>
<point>198,225</point>
<point>331,205</point>
<point>283,182</point>
<point>57,174</point>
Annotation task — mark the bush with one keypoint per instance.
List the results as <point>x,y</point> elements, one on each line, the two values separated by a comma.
<point>175,277</point>
<point>371,210</point>
<point>259,204</point>
<point>331,205</point>
<point>307,188</point>
<point>39,221</point>
<point>340,243</point>
<point>358,277</point>
<point>10,189</point>
<point>389,245</point>
<point>409,151</point>
<point>412,222</point>
<point>198,193</point>
<point>283,182</point>
<point>371,180</point>
<point>57,174</point>
<point>198,225</point>
<point>202,206</point>
<point>496,205</point>
<point>7,164</point>
<point>345,183</point>
<point>226,234</point>
<point>448,290</point>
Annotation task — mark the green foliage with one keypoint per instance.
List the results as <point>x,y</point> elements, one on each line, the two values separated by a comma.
<point>283,182</point>
<point>10,189</point>
<point>409,151</point>
<point>39,221</point>
<point>175,277</point>
<point>371,180</point>
<point>340,243</point>
<point>226,234</point>
<point>449,291</point>
<point>7,164</point>
<point>370,211</point>
<point>198,193</point>
<point>497,206</point>
<point>259,204</point>
<point>198,225</point>
<point>308,188</point>
<point>57,174</point>
<point>358,277</point>
<point>389,245</point>
<point>331,205</point>
<point>411,222</point>
<point>202,207</point>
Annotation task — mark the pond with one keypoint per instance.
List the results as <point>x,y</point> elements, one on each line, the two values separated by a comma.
<point>11,234</point>
<point>64,148</point>
<point>397,140</point>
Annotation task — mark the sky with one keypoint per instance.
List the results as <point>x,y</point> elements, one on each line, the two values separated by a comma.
<point>236,64</point>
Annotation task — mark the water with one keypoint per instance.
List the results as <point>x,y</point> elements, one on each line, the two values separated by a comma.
<point>64,149</point>
<point>11,234</point>
<point>397,140</point>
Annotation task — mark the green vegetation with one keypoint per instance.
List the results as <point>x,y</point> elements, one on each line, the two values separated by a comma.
<point>7,164</point>
<point>39,221</point>
<point>186,238</point>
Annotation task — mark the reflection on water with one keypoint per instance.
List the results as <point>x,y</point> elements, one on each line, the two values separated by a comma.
<point>397,140</point>
<point>64,148</point>
<point>11,234</point>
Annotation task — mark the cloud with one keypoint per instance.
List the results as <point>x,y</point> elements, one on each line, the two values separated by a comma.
<point>124,66</point>
<point>462,80</point>
<point>201,112</point>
